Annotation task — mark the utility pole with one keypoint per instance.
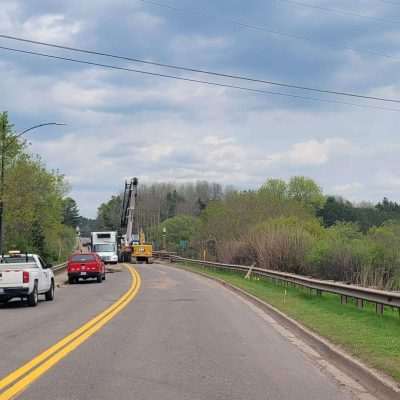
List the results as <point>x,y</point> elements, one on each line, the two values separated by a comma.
<point>3,139</point>
<point>5,143</point>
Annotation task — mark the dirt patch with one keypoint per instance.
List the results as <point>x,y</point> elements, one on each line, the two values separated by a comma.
<point>113,269</point>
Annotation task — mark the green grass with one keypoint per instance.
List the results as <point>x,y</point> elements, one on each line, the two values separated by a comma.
<point>373,338</point>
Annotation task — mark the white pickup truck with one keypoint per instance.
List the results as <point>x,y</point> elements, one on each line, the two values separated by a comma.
<point>25,276</point>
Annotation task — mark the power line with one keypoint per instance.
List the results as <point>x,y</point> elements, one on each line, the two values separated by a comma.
<point>266,29</point>
<point>390,2</point>
<point>202,71</point>
<point>338,11</point>
<point>247,89</point>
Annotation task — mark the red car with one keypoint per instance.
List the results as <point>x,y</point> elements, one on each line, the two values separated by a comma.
<point>85,266</point>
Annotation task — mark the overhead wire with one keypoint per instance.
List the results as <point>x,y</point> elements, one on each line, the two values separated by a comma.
<point>267,30</point>
<point>201,71</point>
<point>390,2</point>
<point>209,83</point>
<point>338,11</point>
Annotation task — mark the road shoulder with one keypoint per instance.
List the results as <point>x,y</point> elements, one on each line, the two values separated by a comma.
<point>362,380</point>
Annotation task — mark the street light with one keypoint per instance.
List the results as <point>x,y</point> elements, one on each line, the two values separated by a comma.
<point>4,147</point>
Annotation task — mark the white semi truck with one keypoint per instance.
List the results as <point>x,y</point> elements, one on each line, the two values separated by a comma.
<point>105,245</point>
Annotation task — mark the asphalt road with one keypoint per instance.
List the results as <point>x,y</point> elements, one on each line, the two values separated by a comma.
<point>182,337</point>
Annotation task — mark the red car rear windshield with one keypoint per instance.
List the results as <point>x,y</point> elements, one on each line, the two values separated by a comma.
<point>83,257</point>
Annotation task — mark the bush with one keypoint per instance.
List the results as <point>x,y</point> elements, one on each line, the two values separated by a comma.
<point>237,252</point>
<point>282,243</point>
<point>383,269</point>
<point>340,254</point>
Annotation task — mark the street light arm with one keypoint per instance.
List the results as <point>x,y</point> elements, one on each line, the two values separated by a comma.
<point>31,129</point>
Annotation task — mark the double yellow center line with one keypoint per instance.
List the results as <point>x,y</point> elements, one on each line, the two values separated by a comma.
<point>21,378</point>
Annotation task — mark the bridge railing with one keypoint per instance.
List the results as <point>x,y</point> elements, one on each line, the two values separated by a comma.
<point>362,294</point>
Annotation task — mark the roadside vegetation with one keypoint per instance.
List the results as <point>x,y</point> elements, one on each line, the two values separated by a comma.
<point>372,338</point>
<point>38,215</point>
<point>288,226</point>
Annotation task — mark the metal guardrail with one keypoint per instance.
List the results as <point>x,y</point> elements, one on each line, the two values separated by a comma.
<point>163,255</point>
<point>59,267</point>
<point>380,298</point>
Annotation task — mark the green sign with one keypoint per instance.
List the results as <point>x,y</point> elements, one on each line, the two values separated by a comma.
<point>183,244</point>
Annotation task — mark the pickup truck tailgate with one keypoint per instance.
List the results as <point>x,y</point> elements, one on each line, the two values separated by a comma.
<point>10,278</point>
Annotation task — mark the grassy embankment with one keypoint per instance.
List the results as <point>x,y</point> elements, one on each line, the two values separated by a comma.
<point>373,338</point>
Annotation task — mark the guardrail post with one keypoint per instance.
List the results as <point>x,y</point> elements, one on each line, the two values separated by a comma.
<point>343,299</point>
<point>360,303</point>
<point>379,308</point>
<point>249,271</point>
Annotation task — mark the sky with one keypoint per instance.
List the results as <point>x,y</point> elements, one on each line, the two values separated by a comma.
<point>123,124</point>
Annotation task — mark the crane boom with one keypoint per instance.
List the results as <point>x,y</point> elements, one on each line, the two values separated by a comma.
<point>127,219</point>
<point>131,209</point>
<point>128,210</point>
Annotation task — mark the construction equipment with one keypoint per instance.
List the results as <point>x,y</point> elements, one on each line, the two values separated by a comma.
<point>127,220</point>
<point>132,244</point>
<point>142,251</point>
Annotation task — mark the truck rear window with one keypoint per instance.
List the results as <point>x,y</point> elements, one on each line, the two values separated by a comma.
<point>17,260</point>
<point>82,257</point>
<point>103,236</point>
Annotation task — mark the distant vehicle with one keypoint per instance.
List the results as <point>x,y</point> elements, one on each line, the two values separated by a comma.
<point>105,245</point>
<point>85,266</point>
<point>25,276</point>
<point>142,251</point>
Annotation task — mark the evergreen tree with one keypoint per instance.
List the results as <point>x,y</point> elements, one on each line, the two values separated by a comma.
<point>70,212</point>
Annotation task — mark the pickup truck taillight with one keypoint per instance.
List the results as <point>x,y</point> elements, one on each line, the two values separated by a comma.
<point>25,277</point>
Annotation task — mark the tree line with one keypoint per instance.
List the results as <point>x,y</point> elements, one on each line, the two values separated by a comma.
<point>156,203</point>
<point>289,226</point>
<point>37,212</point>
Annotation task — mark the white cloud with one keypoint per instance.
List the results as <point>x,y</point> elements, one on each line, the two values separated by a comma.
<point>8,15</point>
<point>217,140</point>
<point>145,21</point>
<point>199,42</point>
<point>73,95</point>
<point>156,151</point>
<point>387,179</point>
<point>55,28</point>
<point>312,152</point>
<point>388,91</point>
<point>348,190</point>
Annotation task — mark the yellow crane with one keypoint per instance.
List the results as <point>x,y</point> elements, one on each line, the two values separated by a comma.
<point>132,246</point>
